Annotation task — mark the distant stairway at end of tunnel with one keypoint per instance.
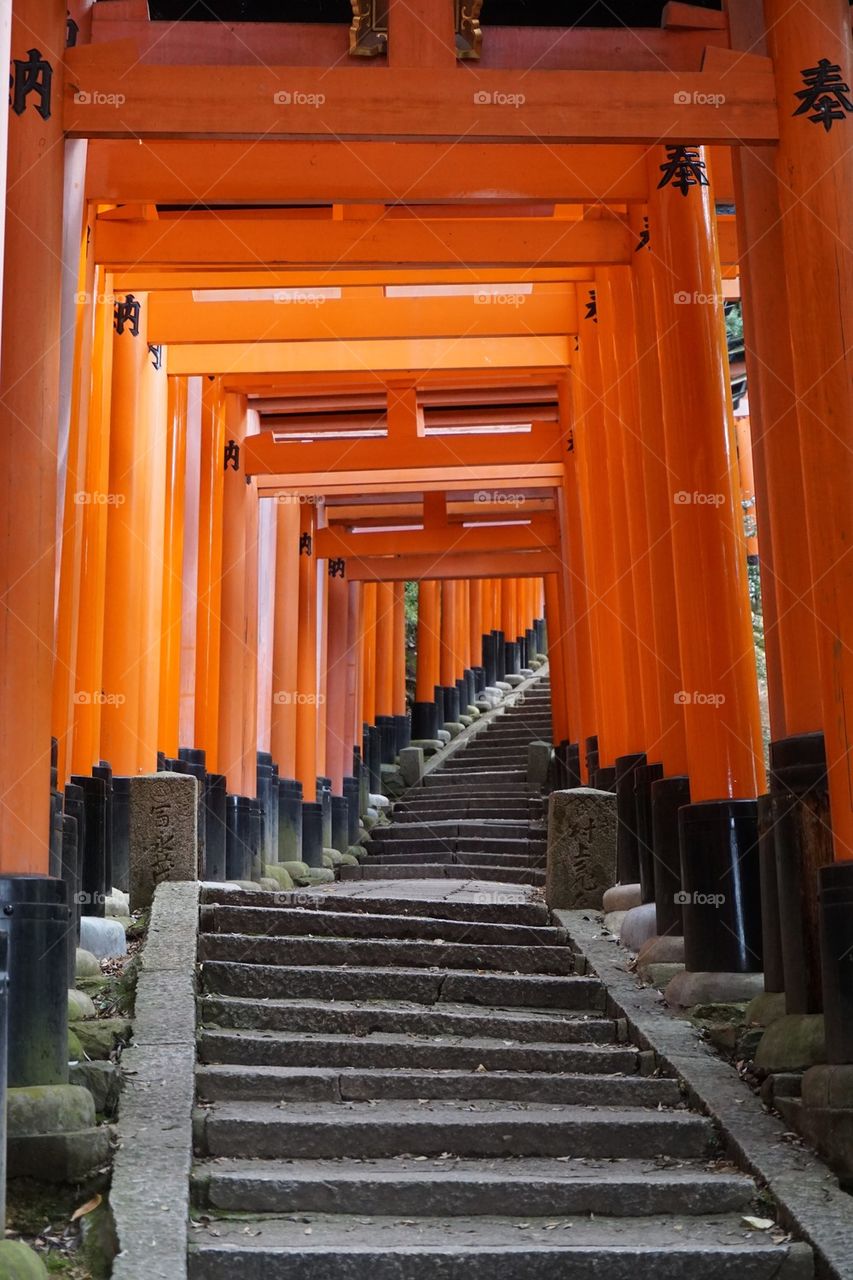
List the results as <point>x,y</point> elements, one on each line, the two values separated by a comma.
<point>475,816</point>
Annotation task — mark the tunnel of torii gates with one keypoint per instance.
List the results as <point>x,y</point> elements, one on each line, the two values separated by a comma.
<point>285,328</point>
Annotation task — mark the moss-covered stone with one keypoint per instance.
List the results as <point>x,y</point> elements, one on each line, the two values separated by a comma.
<point>348,860</point>
<point>99,1038</point>
<point>48,1108</point>
<point>79,1006</point>
<point>278,872</point>
<point>792,1043</point>
<point>296,870</point>
<point>75,1049</point>
<point>100,1245</point>
<point>19,1262</point>
<point>87,965</point>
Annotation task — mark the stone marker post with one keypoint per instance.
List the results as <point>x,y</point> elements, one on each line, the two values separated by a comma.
<point>163,833</point>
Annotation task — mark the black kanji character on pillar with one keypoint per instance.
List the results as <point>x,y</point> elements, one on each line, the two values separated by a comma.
<point>644,236</point>
<point>592,308</point>
<point>305,544</point>
<point>72,31</point>
<point>127,315</point>
<point>337,568</point>
<point>32,75</point>
<point>825,94</point>
<point>232,455</point>
<point>683,169</point>
<point>156,354</point>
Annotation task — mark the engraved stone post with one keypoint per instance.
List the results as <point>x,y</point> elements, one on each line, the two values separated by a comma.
<point>163,833</point>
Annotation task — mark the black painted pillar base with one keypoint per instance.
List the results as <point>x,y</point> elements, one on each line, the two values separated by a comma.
<point>644,776</point>
<point>93,852</point>
<point>351,793</point>
<point>403,730</point>
<point>35,917</point>
<point>803,841</point>
<point>340,823</point>
<point>449,703</point>
<point>238,838</point>
<point>512,663</point>
<point>121,832</point>
<point>289,820</point>
<point>215,799</point>
<point>490,668</point>
<point>480,682</point>
<point>312,833</point>
<point>541,635</point>
<point>471,692</point>
<point>771,931</point>
<point>591,758</point>
<point>668,796</point>
<point>721,890</point>
<point>605,778</point>
<point>388,738</point>
<point>425,721</point>
<point>627,844</point>
<point>836,941</point>
<point>324,799</point>
<point>500,655</point>
<point>373,756</point>
<point>566,766</point>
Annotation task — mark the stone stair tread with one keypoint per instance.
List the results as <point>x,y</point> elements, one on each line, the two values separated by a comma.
<point>463,1187</point>
<point>402,1017</point>
<point>428,986</point>
<point>476,1127</point>
<point>713,1247</point>
<point>533,876</point>
<point>364,923</point>
<point>603,1026</point>
<point>230,1082</point>
<point>299,948</point>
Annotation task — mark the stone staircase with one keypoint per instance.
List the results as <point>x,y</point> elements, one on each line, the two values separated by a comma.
<point>418,1079</point>
<point>474,816</point>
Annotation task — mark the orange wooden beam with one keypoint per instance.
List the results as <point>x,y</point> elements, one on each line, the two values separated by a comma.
<point>539,533</point>
<point>266,456</point>
<point>502,564</point>
<point>249,241</point>
<point>176,318</point>
<point>262,101</point>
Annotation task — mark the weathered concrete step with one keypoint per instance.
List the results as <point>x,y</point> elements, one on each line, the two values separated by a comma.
<point>461,809</point>
<point>500,828</point>
<point>246,948</point>
<point>364,1248</point>
<point>488,792</point>
<point>507,757</point>
<point>275,921</point>
<point>517,906</point>
<point>349,1018</point>
<point>314,1131</point>
<point>424,986</point>
<point>416,855</point>
<point>294,1049</point>
<point>458,1188</point>
<point>224,1082</point>
<point>457,844</point>
<point>472,779</point>
<point>431,870</point>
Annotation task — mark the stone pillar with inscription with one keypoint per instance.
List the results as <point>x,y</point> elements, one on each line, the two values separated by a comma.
<point>163,833</point>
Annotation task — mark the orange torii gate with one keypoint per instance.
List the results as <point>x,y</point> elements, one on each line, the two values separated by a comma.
<point>143,346</point>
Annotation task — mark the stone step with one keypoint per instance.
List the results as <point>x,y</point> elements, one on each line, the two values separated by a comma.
<point>295,1049</point>
<point>470,811</point>
<point>319,1130</point>
<point>384,952</point>
<point>349,1018</point>
<point>461,1188</point>
<point>507,990</point>
<point>471,779</point>
<point>435,871</point>
<point>579,1248</point>
<point>225,1082</point>
<point>273,921</point>
<point>499,828</point>
<point>457,844</point>
<point>517,906</point>
<point>415,855</point>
